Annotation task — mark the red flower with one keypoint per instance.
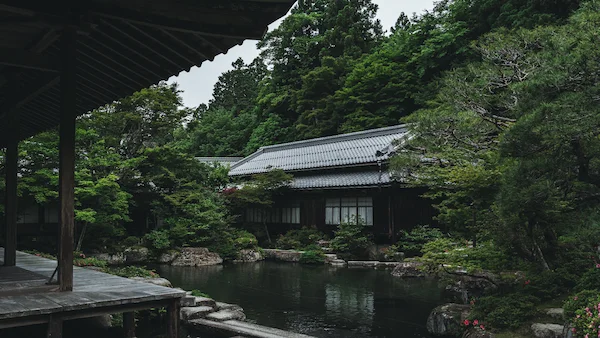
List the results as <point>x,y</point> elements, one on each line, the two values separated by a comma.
<point>467,322</point>
<point>475,322</point>
<point>482,327</point>
<point>527,282</point>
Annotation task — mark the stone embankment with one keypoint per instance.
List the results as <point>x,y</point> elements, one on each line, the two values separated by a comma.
<point>294,256</point>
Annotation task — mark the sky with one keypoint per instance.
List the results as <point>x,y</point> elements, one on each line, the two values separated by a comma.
<point>197,84</point>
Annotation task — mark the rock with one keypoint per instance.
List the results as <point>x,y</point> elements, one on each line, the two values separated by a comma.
<point>362,264</point>
<point>386,265</point>
<point>203,301</point>
<point>227,306</point>
<point>136,255</point>
<point>197,312</point>
<point>223,315</point>
<point>111,259</point>
<point>197,257</point>
<point>187,301</point>
<point>540,330</point>
<point>467,287</point>
<point>445,319</point>
<point>556,313</point>
<point>168,257</point>
<point>283,255</point>
<point>156,281</point>
<point>477,333</point>
<point>408,270</point>
<point>330,258</point>
<point>338,263</point>
<point>249,255</point>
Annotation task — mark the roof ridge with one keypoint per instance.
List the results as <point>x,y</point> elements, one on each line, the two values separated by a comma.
<point>339,137</point>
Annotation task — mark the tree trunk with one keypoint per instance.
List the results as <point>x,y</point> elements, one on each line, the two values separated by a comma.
<point>540,255</point>
<point>267,231</point>
<point>80,241</point>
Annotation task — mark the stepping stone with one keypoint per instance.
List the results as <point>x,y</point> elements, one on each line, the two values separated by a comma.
<point>223,315</point>
<point>227,306</point>
<point>197,312</point>
<point>203,301</point>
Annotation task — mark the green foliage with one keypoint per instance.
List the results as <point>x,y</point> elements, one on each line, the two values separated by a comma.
<point>131,241</point>
<point>505,312</point>
<point>131,271</point>
<point>589,281</point>
<point>244,240</point>
<point>411,243</point>
<point>81,260</point>
<point>352,240</point>
<point>157,241</point>
<point>299,239</point>
<point>198,293</point>
<point>312,257</point>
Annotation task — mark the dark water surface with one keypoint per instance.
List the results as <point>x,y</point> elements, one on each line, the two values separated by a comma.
<point>321,301</point>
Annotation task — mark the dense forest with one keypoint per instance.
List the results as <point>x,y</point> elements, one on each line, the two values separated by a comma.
<point>501,97</point>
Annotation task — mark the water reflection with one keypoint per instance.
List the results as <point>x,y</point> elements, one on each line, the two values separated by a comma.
<point>320,301</point>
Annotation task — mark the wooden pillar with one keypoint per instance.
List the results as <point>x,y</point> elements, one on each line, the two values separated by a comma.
<point>129,325</point>
<point>67,158</point>
<point>55,328</point>
<point>10,203</point>
<point>173,319</point>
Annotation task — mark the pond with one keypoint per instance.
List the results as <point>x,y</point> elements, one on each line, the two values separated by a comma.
<point>321,301</point>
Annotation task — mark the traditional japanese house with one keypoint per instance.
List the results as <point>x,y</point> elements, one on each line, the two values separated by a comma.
<point>336,179</point>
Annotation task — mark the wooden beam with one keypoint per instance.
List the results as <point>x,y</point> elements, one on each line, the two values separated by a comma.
<point>55,328</point>
<point>129,325</point>
<point>173,318</point>
<point>66,187</point>
<point>166,23</point>
<point>10,207</point>
<point>23,59</point>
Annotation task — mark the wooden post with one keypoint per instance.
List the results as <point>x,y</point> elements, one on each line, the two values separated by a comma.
<point>10,203</point>
<point>173,319</point>
<point>55,328</point>
<point>67,158</point>
<point>129,324</point>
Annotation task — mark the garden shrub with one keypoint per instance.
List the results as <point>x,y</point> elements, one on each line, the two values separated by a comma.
<point>584,314</point>
<point>508,311</point>
<point>131,241</point>
<point>81,260</point>
<point>228,243</point>
<point>300,239</point>
<point>578,301</point>
<point>352,240</point>
<point>157,241</point>
<point>411,243</point>
<point>589,281</point>
<point>549,284</point>
<point>312,257</point>
<point>245,240</point>
<point>198,293</point>
<point>457,253</point>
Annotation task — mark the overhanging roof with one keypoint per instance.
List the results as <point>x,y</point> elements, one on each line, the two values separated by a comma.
<point>332,180</point>
<point>353,149</point>
<point>124,46</point>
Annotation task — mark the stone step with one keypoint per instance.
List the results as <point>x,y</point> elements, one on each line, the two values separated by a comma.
<point>243,329</point>
<point>187,301</point>
<point>196,312</point>
<point>203,301</point>
<point>223,315</point>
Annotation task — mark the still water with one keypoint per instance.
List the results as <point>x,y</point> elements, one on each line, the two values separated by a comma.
<point>321,301</point>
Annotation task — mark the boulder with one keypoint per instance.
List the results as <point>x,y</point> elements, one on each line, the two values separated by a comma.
<point>466,287</point>
<point>330,258</point>
<point>156,281</point>
<point>168,257</point>
<point>283,255</point>
<point>362,264</point>
<point>540,330</point>
<point>223,315</point>
<point>136,255</point>
<point>111,259</point>
<point>203,301</point>
<point>197,257</point>
<point>227,306</point>
<point>249,255</point>
<point>477,333</point>
<point>187,301</point>
<point>196,312</point>
<point>338,263</point>
<point>386,265</point>
<point>556,313</point>
<point>409,270</point>
<point>445,319</point>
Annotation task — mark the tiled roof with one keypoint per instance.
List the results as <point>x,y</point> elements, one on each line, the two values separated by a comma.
<point>345,150</point>
<point>341,180</point>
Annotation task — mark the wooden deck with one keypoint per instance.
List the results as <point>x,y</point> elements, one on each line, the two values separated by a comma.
<point>26,300</point>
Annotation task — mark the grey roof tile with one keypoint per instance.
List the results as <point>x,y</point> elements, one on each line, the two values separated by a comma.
<point>341,150</point>
<point>341,180</point>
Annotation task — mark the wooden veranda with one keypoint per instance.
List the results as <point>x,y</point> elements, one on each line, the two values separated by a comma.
<point>61,59</point>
